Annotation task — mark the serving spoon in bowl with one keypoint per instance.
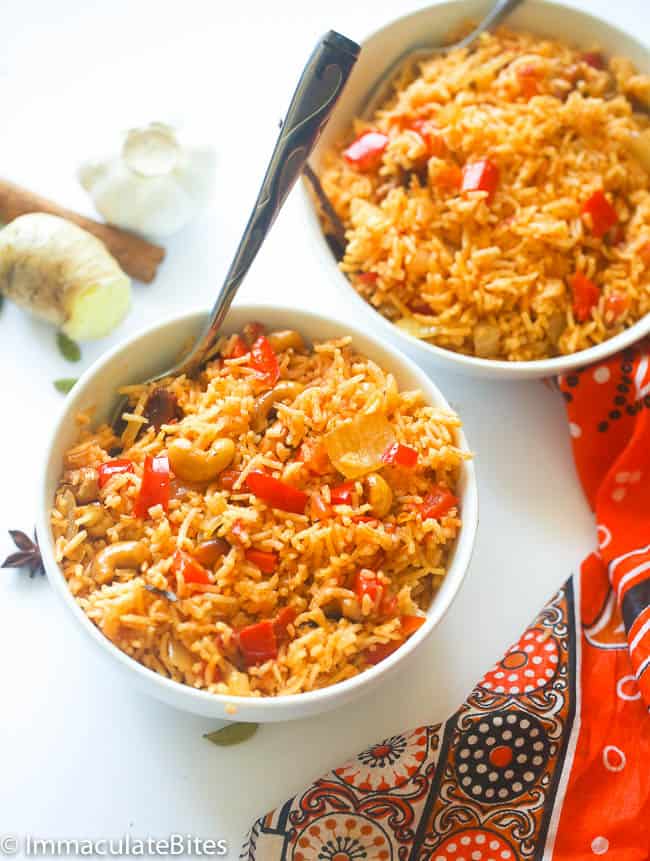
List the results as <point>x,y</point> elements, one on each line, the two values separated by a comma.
<point>416,53</point>
<point>316,94</point>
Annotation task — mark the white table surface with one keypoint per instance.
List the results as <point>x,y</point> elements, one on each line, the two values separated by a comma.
<point>81,754</point>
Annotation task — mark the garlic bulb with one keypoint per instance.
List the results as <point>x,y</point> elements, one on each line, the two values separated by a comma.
<point>154,185</point>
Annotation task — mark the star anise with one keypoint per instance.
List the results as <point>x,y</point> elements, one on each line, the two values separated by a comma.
<point>28,555</point>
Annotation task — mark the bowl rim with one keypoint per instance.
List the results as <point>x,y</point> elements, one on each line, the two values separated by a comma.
<point>452,359</point>
<point>463,547</point>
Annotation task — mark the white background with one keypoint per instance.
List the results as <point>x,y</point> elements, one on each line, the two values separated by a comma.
<point>81,754</point>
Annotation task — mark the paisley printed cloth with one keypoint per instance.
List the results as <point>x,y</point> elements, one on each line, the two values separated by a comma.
<point>549,756</point>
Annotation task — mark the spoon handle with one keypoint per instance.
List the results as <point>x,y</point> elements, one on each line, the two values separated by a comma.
<point>318,89</point>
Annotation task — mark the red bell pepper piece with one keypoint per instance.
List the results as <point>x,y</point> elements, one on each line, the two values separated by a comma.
<point>616,304</point>
<point>430,134</point>
<point>228,478</point>
<point>113,467</point>
<point>366,151</point>
<point>367,277</point>
<point>281,622</point>
<point>154,489</point>
<point>236,348</point>
<point>388,606</point>
<point>449,177</point>
<point>437,503</point>
<point>379,651</point>
<point>342,493</point>
<point>277,493</point>
<point>266,561</point>
<point>265,362</point>
<point>419,306</point>
<point>410,624</point>
<point>189,569</point>
<point>585,296</point>
<point>367,583</point>
<point>320,510</point>
<point>481,175</point>
<point>594,59</point>
<point>258,643</point>
<point>603,215</point>
<point>528,77</point>
<point>400,455</point>
<point>364,518</point>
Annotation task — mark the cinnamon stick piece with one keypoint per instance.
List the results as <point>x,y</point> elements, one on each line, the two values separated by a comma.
<point>136,256</point>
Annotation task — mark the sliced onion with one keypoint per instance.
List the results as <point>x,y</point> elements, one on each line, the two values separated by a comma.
<point>355,447</point>
<point>486,340</point>
<point>180,655</point>
<point>556,325</point>
<point>414,327</point>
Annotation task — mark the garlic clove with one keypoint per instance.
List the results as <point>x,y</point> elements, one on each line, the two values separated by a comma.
<point>151,151</point>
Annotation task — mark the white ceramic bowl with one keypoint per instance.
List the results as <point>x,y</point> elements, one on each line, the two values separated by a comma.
<point>380,50</point>
<point>140,357</point>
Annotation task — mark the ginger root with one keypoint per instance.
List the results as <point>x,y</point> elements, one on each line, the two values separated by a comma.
<point>61,273</point>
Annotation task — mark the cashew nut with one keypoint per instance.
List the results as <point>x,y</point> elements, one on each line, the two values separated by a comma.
<point>123,554</point>
<point>380,496</point>
<point>190,463</point>
<point>285,339</point>
<point>284,390</point>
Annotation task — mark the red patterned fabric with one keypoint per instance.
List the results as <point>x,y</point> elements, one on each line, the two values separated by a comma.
<point>549,756</point>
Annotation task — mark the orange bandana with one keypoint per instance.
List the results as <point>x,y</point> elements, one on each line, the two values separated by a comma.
<point>549,756</point>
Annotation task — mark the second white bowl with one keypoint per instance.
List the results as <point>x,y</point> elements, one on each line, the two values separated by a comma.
<point>145,354</point>
<point>431,26</point>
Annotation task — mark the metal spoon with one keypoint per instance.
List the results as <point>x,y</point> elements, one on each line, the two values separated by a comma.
<point>417,53</point>
<point>318,89</point>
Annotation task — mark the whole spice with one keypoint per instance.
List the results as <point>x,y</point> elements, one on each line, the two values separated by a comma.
<point>28,554</point>
<point>162,593</point>
<point>65,384</point>
<point>161,407</point>
<point>137,257</point>
<point>68,348</point>
<point>235,733</point>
